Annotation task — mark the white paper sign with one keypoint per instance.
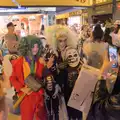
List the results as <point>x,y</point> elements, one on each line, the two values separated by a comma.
<point>81,96</point>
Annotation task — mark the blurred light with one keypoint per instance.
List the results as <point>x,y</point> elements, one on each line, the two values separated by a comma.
<point>32,18</point>
<point>118,6</point>
<point>15,18</point>
<point>44,16</point>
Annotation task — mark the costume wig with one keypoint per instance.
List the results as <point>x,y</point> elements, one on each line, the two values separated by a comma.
<point>27,43</point>
<point>53,33</point>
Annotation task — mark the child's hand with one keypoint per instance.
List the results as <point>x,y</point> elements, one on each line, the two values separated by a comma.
<point>57,90</point>
<point>50,62</point>
<point>42,61</point>
<point>26,90</point>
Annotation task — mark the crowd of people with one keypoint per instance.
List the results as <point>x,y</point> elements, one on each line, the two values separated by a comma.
<point>43,72</point>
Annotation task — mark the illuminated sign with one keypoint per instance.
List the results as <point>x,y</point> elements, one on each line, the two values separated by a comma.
<point>61,16</point>
<point>102,1</point>
<point>75,13</point>
<point>47,3</point>
<point>81,1</point>
<point>104,9</point>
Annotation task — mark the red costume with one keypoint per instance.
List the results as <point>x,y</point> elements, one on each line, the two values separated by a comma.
<point>32,104</point>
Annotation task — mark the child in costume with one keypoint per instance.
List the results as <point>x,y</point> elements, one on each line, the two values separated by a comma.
<point>29,63</point>
<point>51,98</point>
<point>74,66</point>
<point>52,89</point>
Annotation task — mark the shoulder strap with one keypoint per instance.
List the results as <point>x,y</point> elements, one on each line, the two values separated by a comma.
<point>93,97</point>
<point>16,37</point>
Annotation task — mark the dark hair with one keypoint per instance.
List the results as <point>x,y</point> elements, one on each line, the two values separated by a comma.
<point>10,24</point>
<point>43,27</point>
<point>27,43</point>
<point>107,38</point>
<point>97,33</point>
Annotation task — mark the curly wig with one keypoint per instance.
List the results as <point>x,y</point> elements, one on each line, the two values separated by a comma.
<point>27,43</point>
<point>53,33</point>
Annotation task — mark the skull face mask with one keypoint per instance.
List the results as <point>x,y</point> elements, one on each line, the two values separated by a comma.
<point>72,57</point>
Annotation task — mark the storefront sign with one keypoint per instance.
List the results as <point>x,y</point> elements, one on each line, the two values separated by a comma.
<point>75,13</point>
<point>61,16</point>
<point>104,9</point>
<point>81,1</point>
<point>47,3</point>
<point>102,1</point>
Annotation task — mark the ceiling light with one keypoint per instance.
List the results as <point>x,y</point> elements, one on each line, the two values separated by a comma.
<point>16,3</point>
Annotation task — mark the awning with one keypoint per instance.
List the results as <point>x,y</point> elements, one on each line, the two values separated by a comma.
<point>8,3</point>
<point>71,11</point>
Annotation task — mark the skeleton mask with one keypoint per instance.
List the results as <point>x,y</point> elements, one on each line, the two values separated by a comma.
<point>72,57</point>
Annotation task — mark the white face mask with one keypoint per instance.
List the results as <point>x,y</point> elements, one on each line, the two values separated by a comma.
<point>73,57</point>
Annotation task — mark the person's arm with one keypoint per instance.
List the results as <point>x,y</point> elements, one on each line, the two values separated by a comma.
<point>18,85</point>
<point>15,80</point>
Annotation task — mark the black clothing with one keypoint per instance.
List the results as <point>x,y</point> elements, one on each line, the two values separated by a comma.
<point>105,106</point>
<point>72,73</point>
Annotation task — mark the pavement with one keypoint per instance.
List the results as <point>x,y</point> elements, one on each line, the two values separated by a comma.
<point>13,117</point>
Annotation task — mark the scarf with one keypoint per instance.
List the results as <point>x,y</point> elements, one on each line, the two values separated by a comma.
<point>31,64</point>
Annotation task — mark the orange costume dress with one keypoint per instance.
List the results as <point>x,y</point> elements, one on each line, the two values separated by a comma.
<point>33,104</point>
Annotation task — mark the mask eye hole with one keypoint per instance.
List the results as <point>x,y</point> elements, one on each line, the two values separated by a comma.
<point>75,55</point>
<point>70,56</point>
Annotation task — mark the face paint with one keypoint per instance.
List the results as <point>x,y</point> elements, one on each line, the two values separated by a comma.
<point>62,43</point>
<point>72,57</point>
<point>35,49</point>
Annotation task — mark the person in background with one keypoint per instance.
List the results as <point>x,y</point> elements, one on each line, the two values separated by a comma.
<point>11,39</point>
<point>3,104</point>
<point>105,105</point>
<point>116,26</point>
<point>96,51</point>
<point>42,29</point>
<point>116,33</point>
<point>107,38</point>
<point>23,33</point>
<point>103,27</point>
<point>63,22</point>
